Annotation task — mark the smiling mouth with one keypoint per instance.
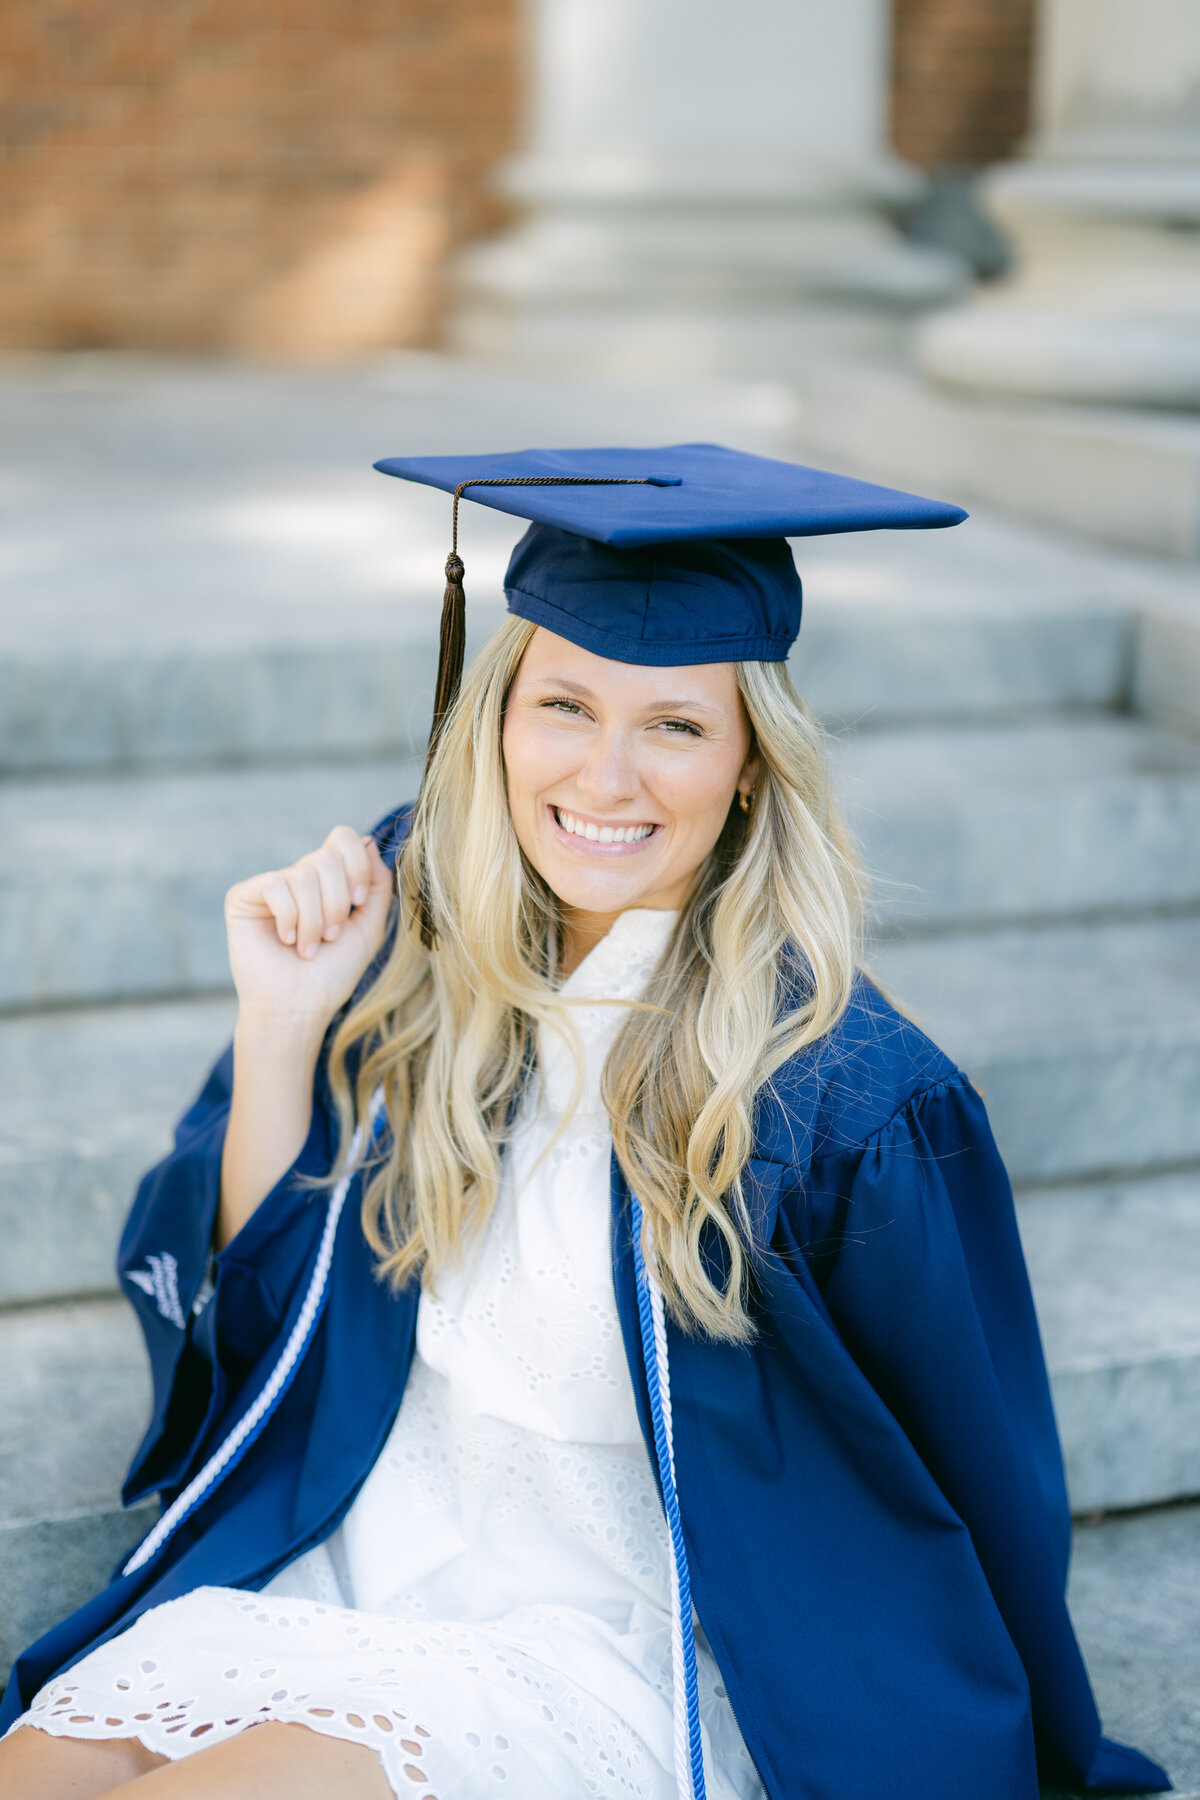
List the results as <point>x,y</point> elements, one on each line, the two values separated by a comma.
<point>593,832</point>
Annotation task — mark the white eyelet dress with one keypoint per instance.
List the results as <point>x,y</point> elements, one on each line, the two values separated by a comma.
<point>493,1615</point>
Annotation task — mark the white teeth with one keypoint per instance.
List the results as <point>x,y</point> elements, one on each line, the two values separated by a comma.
<point>602,834</point>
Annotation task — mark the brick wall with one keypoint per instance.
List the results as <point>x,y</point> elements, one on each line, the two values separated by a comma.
<point>261,176</point>
<point>960,79</point>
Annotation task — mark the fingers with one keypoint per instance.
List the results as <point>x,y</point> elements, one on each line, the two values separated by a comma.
<point>351,873</point>
<point>356,860</point>
<point>305,885</point>
<point>382,878</point>
<point>311,901</point>
<point>276,895</point>
<point>334,890</point>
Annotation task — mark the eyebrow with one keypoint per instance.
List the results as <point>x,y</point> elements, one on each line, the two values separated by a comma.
<point>560,685</point>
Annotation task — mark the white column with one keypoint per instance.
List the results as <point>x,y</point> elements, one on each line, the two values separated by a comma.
<point>1105,216</point>
<point>706,187</point>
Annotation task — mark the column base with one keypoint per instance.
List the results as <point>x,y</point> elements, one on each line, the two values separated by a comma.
<point>669,342</point>
<point>651,268</point>
<point>1048,355</point>
<point>1105,304</point>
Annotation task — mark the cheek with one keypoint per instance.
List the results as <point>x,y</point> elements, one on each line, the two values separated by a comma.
<point>697,790</point>
<point>515,763</point>
<point>534,758</point>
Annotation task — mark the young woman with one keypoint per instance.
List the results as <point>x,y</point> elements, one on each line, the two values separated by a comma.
<point>683,1269</point>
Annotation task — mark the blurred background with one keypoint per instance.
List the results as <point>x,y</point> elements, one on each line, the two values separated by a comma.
<point>950,244</point>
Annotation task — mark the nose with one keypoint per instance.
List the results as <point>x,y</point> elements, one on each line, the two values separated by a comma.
<point>608,777</point>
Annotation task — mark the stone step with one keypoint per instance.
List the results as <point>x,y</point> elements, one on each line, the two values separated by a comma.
<point>990,619</point>
<point>963,824</point>
<point>1135,1600</point>
<point>972,824</point>
<point>89,1100</point>
<point>367,691</point>
<point>1085,1039</point>
<point>75,1402</point>
<point>1123,475</point>
<point>141,867</point>
<point>1166,674</point>
<point>1116,1272</point>
<point>200,565</point>
<point>208,704</point>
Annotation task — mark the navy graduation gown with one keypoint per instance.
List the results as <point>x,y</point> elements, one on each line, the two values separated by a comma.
<point>872,1493</point>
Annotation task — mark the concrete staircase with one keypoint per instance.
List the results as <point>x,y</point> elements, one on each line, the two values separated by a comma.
<point>218,640</point>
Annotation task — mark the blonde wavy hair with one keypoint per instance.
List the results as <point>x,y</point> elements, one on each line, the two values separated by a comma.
<point>760,965</point>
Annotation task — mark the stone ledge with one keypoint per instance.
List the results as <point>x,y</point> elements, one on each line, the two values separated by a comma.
<point>1115,1268</point>
<point>89,1101</point>
<point>961,825</point>
<point>136,907</point>
<point>1085,1040</point>
<point>858,661</point>
<point>50,1566</point>
<point>1166,675</point>
<point>965,825</point>
<point>1125,477</point>
<point>1135,1599</point>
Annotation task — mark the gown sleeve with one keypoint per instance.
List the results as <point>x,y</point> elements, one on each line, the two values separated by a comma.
<point>928,1289</point>
<point>207,1320</point>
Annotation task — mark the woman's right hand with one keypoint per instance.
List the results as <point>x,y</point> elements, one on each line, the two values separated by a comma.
<point>301,938</point>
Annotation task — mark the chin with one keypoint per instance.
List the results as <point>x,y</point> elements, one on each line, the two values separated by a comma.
<point>584,891</point>
<point>594,897</point>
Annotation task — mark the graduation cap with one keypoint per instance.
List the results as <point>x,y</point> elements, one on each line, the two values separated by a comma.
<point>665,556</point>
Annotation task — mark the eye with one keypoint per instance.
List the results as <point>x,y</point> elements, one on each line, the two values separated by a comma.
<point>571,707</point>
<point>681,727</point>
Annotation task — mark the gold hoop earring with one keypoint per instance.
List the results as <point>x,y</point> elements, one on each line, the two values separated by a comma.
<point>746,801</point>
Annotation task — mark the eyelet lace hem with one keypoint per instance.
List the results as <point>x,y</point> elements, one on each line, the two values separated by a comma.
<point>520,1725</point>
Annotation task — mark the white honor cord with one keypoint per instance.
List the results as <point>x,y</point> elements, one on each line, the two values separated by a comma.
<point>255,1417</point>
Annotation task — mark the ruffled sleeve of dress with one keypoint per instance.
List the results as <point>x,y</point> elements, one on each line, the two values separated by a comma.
<point>912,1236</point>
<point>209,1320</point>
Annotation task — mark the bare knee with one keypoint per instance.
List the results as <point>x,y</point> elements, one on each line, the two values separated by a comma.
<point>36,1766</point>
<point>268,1761</point>
<point>307,1764</point>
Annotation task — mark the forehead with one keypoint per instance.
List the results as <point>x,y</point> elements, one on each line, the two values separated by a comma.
<point>553,659</point>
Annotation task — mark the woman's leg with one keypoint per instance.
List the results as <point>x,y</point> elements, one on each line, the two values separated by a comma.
<point>36,1766</point>
<point>264,1762</point>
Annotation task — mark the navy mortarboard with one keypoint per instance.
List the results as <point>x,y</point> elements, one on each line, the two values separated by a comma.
<point>665,556</point>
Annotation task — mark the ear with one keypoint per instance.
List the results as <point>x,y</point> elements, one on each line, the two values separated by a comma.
<point>751,769</point>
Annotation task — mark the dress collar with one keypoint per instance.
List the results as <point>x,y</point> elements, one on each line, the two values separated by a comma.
<point>619,966</point>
